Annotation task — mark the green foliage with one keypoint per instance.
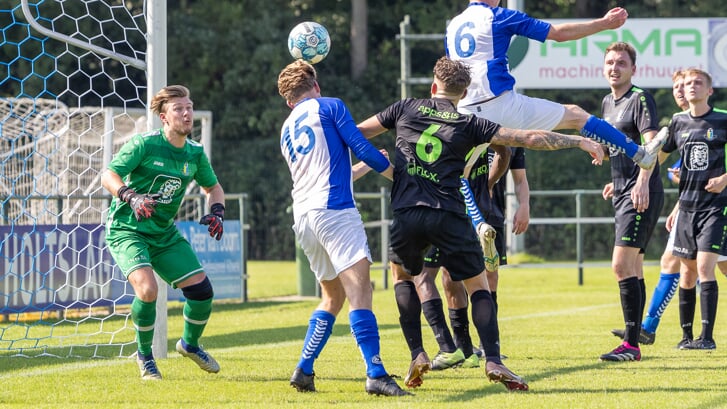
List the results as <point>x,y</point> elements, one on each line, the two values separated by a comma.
<point>229,55</point>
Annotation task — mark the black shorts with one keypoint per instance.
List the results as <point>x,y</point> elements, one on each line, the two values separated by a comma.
<point>433,256</point>
<point>704,230</point>
<point>634,229</point>
<point>416,229</point>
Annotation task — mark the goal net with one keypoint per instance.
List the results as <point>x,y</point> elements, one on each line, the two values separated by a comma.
<point>65,109</point>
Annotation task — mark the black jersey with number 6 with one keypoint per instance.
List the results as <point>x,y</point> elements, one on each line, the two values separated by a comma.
<point>432,141</point>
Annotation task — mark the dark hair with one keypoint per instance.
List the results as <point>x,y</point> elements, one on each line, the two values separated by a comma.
<point>454,75</point>
<point>621,46</point>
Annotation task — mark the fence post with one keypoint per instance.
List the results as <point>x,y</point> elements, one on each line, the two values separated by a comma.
<point>405,57</point>
<point>579,236</point>
<point>384,236</point>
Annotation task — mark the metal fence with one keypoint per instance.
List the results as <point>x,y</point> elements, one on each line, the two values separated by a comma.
<point>514,242</point>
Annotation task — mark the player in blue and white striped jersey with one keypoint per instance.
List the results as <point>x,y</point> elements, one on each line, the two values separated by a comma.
<point>480,36</point>
<point>316,141</point>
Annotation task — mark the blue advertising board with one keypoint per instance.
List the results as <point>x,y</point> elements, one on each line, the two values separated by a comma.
<point>48,267</point>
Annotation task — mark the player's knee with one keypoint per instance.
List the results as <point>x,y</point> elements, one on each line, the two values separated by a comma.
<point>199,292</point>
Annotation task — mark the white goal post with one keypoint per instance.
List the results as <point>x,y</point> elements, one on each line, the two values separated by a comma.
<point>60,293</point>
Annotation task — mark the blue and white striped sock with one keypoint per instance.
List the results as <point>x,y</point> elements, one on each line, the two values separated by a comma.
<point>320,327</point>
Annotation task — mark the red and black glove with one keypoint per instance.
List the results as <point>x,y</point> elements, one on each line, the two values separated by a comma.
<point>214,220</point>
<point>143,206</point>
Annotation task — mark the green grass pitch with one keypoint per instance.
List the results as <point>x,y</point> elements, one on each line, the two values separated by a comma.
<point>552,330</point>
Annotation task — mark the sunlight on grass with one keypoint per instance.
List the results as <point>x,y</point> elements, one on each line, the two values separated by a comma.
<point>552,330</point>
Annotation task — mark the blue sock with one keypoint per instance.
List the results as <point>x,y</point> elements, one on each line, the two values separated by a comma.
<point>472,210</point>
<point>663,293</point>
<point>603,132</point>
<point>366,332</point>
<point>189,348</point>
<point>319,329</point>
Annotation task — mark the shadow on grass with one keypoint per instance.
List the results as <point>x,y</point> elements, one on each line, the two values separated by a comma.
<point>490,388</point>
<point>275,334</point>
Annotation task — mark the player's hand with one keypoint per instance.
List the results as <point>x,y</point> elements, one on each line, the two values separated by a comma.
<point>674,174</point>
<point>144,206</point>
<point>607,191</point>
<point>716,185</point>
<point>615,18</point>
<point>214,221</point>
<point>594,149</point>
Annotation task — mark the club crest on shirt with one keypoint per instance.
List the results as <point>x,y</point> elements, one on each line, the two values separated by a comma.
<point>710,134</point>
<point>168,189</point>
<point>697,156</point>
<point>185,168</point>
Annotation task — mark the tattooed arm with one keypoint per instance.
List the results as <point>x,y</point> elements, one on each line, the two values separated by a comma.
<point>547,141</point>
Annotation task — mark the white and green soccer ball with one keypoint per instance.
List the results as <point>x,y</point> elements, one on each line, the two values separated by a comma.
<point>309,41</point>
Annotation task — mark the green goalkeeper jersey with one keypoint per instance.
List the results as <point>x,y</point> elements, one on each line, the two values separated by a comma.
<point>149,164</point>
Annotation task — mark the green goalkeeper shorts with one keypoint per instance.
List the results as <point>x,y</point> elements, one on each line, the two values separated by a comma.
<point>169,254</point>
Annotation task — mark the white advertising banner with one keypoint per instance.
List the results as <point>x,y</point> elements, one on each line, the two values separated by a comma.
<point>662,45</point>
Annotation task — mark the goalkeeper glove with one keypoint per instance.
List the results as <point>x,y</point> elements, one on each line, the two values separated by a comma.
<point>142,205</point>
<point>214,220</point>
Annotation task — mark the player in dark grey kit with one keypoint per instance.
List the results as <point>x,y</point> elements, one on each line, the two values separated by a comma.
<point>700,135</point>
<point>637,194</point>
<point>432,142</point>
<point>492,205</point>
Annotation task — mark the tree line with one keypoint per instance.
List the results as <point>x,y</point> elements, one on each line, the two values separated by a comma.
<point>229,54</point>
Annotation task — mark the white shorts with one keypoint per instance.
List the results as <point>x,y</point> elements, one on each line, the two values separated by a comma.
<point>333,240</point>
<point>517,111</point>
<point>670,241</point>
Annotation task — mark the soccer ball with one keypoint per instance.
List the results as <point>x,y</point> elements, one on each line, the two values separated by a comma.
<point>309,41</point>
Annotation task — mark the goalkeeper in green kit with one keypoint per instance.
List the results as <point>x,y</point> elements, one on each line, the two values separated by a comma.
<point>148,178</point>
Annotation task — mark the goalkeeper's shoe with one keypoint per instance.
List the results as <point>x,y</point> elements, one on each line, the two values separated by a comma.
<point>623,352</point>
<point>487,234</point>
<point>446,360</point>
<point>200,357</point>
<point>499,373</point>
<point>384,385</point>
<point>418,367</point>
<point>148,368</point>
<point>302,382</point>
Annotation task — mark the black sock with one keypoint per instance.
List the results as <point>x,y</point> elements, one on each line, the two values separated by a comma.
<point>630,291</point>
<point>708,302</point>
<point>687,305</point>
<point>461,330</point>
<point>494,300</point>
<point>434,314</point>
<point>484,318</point>
<point>410,315</point>
<point>642,284</point>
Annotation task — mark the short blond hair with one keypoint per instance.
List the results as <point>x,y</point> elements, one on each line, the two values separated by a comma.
<point>677,74</point>
<point>698,71</point>
<point>296,79</point>
<point>161,98</point>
